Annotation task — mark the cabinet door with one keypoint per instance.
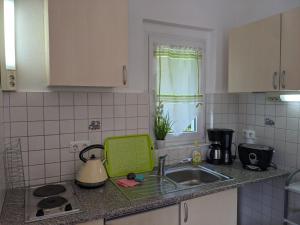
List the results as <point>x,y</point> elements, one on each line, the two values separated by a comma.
<point>95,222</point>
<point>214,209</point>
<point>254,56</point>
<point>290,65</point>
<point>88,42</point>
<point>163,216</point>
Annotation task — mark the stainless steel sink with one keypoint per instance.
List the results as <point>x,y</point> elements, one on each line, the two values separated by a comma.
<point>194,176</point>
<point>175,179</point>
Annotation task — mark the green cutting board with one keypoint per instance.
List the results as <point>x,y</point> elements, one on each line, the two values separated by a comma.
<point>128,154</point>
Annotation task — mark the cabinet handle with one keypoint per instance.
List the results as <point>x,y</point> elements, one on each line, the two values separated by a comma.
<point>283,79</point>
<point>274,80</point>
<point>186,212</point>
<point>124,75</point>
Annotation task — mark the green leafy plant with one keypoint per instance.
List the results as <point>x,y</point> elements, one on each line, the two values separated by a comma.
<point>162,123</point>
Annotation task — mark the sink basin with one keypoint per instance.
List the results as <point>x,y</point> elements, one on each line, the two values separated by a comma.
<point>195,176</point>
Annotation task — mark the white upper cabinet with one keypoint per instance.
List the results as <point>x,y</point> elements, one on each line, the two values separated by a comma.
<point>264,56</point>
<point>254,56</point>
<point>87,42</point>
<point>290,50</point>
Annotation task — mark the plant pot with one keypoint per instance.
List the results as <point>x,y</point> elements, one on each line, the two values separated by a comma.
<point>160,144</point>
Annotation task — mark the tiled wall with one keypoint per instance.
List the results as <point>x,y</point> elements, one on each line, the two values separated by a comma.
<point>283,136</point>
<point>222,111</point>
<point>249,111</point>
<point>2,171</point>
<point>262,203</point>
<point>46,123</point>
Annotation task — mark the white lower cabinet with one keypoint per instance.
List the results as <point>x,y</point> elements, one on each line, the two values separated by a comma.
<point>214,209</point>
<point>95,222</point>
<point>164,216</point>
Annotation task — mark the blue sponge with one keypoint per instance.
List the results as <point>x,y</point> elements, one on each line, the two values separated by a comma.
<point>139,178</point>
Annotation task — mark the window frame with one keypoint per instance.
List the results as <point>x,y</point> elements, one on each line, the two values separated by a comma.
<point>155,39</point>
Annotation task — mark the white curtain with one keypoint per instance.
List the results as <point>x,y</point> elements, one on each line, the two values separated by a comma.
<point>178,84</point>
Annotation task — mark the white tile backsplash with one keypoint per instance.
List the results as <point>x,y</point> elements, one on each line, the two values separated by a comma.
<point>18,114</point>
<point>107,124</point>
<point>65,140</point>
<point>66,98</point>
<point>36,143</point>
<point>36,172</point>
<point>81,112</point>
<point>52,141</point>
<point>52,155</point>
<point>51,99</point>
<point>66,112</point>
<point>67,126</point>
<point>94,99</point>
<point>36,157</point>
<point>119,111</point>
<point>131,123</point>
<point>55,119</point>
<point>51,113</point>
<point>120,124</point>
<point>131,110</point>
<point>17,99</point>
<point>52,170</point>
<point>119,99</point>
<point>107,99</point>
<point>51,127</point>
<point>80,99</point>
<point>143,110</point>
<point>18,129</point>
<point>35,113</point>
<point>261,203</point>
<point>35,99</point>
<point>131,99</point>
<point>35,128</point>
<point>143,99</point>
<point>48,122</point>
<point>81,126</point>
<point>94,112</point>
<point>107,112</point>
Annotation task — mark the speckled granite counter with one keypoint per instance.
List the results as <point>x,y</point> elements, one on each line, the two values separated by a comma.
<point>109,203</point>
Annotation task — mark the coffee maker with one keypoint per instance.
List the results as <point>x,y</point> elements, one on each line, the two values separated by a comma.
<point>219,151</point>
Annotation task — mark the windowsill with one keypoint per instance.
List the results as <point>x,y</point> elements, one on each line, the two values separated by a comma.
<point>183,146</point>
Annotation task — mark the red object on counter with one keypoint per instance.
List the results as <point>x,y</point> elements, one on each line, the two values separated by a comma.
<point>127,183</point>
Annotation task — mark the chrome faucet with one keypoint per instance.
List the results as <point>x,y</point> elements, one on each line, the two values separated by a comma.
<point>161,165</point>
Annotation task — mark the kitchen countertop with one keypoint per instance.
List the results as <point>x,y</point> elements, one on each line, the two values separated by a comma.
<point>108,202</point>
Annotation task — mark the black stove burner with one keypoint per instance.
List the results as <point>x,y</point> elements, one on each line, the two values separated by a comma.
<point>52,202</point>
<point>49,190</point>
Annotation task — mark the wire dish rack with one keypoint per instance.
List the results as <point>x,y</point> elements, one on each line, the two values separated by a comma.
<point>152,186</point>
<point>14,165</point>
<point>292,200</point>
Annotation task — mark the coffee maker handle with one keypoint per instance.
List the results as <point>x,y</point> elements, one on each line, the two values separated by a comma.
<point>235,151</point>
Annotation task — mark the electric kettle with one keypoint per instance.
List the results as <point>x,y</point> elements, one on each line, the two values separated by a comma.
<point>92,173</point>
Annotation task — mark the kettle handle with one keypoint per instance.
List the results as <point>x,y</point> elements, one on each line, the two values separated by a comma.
<point>86,150</point>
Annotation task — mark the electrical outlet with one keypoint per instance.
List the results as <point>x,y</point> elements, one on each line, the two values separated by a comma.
<point>77,146</point>
<point>249,133</point>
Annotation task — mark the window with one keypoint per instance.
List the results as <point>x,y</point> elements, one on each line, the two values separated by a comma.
<point>178,74</point>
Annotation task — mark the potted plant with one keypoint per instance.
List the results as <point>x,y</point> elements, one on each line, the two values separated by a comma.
<point>162,125</point>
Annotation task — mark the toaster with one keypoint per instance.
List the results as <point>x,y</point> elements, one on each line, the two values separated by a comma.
<point>255,157</point>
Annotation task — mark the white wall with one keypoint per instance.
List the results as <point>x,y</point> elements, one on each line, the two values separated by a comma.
<point>218,15</point>
<point>2,170</point>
